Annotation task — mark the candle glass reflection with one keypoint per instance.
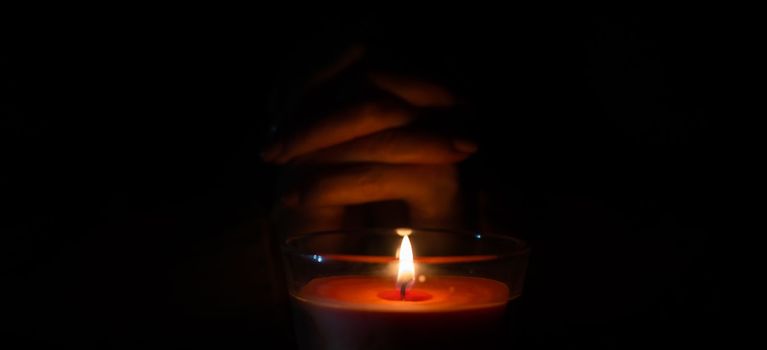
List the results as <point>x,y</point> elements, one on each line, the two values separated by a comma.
<point>345,295</point>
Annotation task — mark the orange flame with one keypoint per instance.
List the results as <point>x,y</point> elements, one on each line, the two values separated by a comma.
<point>406,272</point>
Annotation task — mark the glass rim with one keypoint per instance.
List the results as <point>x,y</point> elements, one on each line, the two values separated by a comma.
<point>522,247</point>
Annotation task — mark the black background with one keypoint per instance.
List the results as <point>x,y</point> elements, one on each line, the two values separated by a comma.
<point>135,199</point>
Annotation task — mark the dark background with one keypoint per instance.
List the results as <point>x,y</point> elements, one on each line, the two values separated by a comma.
<point>135,201</point>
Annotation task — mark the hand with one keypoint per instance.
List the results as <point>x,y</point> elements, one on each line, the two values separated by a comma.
<point>370,152</point>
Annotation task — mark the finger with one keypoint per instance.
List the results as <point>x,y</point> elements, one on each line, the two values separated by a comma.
<point>399,146</point>
<point>416,92</point>
<point>431,191</point>
<point>350,56</point>
<point>363,119</point>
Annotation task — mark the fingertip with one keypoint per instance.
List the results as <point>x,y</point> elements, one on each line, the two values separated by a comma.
<point>350,56</point>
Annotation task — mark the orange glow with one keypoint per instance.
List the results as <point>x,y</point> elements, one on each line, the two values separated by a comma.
<point>446,294</point>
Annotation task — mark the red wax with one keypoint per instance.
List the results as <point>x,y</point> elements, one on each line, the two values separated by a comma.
<point>411,295</point>
<point>364,312</point>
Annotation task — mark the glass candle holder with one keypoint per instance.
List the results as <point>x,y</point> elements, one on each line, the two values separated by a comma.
<point>346,294</point>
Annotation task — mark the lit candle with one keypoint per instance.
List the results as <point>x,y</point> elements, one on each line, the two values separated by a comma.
<point>369,312</point>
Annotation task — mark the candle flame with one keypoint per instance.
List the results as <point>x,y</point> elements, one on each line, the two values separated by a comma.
<point>406,272</point>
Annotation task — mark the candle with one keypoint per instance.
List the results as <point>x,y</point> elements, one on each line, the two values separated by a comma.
<point>370,312</point>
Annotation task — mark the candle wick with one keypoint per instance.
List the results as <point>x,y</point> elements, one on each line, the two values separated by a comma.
<point>402,291</point>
